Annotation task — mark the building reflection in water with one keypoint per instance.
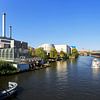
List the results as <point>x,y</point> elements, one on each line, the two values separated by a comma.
<point>62,71</point>
<point>61,66</point>
<point>73,61</point>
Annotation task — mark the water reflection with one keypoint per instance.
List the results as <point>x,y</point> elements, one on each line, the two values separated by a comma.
<point>61,66</point>
<point>64,80</point>
<point>73,61</point>
<point>5,79</point>
<point>96,72</point>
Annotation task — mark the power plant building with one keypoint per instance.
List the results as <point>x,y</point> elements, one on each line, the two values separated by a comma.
<point>11,49</point>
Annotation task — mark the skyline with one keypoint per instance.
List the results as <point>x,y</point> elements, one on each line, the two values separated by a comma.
<point>71,22</point>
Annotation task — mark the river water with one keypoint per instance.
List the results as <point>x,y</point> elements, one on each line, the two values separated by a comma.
<point>64,80</point>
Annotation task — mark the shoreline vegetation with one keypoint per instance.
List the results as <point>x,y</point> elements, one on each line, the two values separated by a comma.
<point>7,68</point>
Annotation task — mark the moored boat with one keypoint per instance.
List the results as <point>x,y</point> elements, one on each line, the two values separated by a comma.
<point>12,87</point>
<point>46,65</point>
<point>95,63</point>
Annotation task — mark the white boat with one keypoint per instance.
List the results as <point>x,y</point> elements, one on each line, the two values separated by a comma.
<point>12,87</point>
<point>95,63</point>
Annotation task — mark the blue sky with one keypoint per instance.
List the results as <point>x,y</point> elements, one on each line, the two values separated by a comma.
<point>73,22</point>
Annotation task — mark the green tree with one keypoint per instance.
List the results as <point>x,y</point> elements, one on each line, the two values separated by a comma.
<point>63,55</point>
<point>6,68</point>
<point>31,51</point>
<point>53,53</point>
<point>75,52</point>
<point>39,52</point>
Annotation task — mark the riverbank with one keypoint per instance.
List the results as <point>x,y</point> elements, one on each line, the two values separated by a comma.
<point>31,68</point>
<point>64,80</point>
<point>26,65</point>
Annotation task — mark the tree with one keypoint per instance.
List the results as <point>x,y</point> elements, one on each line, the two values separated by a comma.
<point>53,53</point>
<point>31,51</point>
<point>63,55</point>
<point>39,52</point>
<point>75,52</point>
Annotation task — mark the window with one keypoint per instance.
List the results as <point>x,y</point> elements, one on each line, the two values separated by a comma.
<point>5,41</point>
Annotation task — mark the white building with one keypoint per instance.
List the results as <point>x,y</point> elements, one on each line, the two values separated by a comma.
<point>47,47</point>
<point>65,48</point>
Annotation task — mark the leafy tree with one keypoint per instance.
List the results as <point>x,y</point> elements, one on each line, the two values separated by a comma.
<point>75,52</point>
<point>31,51</point>
<point>39,52</point>
<point>63,55</point>
<point>53,53</point>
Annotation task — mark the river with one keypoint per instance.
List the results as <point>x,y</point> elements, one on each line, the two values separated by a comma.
<point>64,80</point>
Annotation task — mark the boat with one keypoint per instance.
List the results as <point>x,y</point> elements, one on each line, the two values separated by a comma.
<point>12,87</point>
<point>95,63</point>
<point>46,65</point>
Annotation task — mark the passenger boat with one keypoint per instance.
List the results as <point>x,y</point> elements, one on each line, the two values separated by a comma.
<point>95,63</point>
<point>12,87</point>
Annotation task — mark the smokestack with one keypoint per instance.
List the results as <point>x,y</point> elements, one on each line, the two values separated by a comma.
<point>10,31</point>
<point>4,25</point>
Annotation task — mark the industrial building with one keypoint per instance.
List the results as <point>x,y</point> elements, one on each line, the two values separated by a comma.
<point>11,49</point>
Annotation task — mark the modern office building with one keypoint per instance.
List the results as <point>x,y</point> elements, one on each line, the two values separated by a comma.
<point>47,47</point>
<point>64,47</point>
<point>11,49</point>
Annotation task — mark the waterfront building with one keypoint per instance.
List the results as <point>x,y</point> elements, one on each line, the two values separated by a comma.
<point>64,47</point>
<point>11,49</point>
<point>47,47</point>
<point>6,42</point>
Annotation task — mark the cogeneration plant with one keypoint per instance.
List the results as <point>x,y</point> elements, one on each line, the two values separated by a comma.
<point>11,49</point>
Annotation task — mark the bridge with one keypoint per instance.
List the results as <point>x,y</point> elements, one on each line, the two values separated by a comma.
<point>90,53</point>
<point>95,53</point>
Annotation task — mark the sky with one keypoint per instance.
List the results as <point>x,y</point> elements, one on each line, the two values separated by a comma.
<point>72,22</point>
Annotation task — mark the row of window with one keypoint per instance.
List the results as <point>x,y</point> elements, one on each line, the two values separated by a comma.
<point>5,41</point>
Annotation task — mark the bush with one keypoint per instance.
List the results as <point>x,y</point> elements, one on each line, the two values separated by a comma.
<point>6,68</point>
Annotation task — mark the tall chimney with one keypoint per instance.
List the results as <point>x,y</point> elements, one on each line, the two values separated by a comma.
<point>10,31</point>
<point>4,25</point>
